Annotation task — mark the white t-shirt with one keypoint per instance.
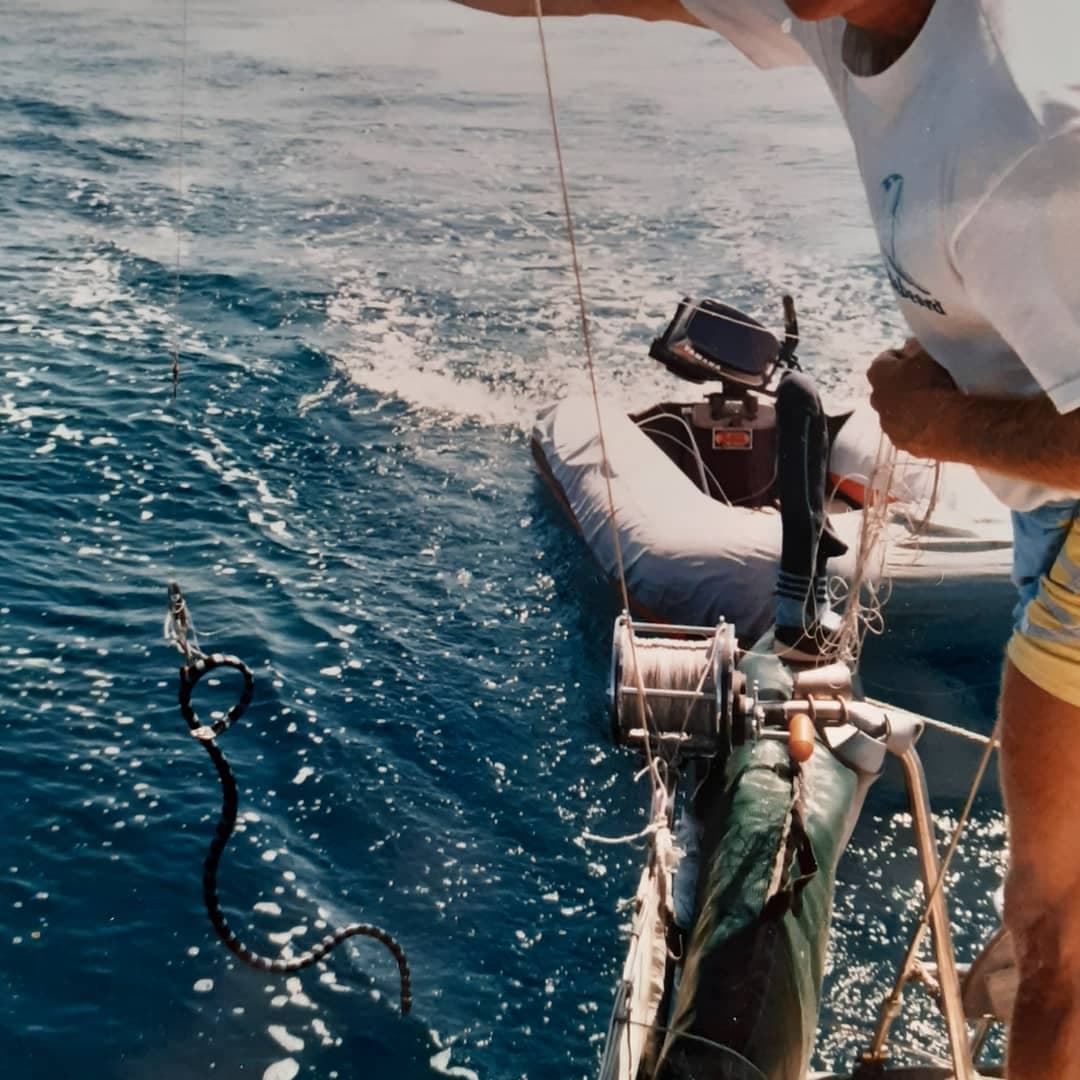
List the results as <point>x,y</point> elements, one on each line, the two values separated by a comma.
<point>969,150</point>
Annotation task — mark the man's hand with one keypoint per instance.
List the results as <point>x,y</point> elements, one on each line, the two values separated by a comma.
<point>916,401</point>
<point>924,413</point>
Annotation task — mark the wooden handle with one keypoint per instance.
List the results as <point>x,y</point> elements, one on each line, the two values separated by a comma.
<point>800,737</point>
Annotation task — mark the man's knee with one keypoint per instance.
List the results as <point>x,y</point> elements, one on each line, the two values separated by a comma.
<point>1042,912</point>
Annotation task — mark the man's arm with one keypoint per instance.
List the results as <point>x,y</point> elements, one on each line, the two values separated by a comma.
<point>923,412</point>
<point>1027,439</point>
<point>650,10</point>
<point>757,28</point>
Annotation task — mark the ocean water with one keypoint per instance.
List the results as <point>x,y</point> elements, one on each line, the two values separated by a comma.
<point>344,215</point>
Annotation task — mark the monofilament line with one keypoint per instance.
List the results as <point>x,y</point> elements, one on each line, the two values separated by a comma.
<point>582,310</point>
<point>178,228</point>
<point>587,341</point>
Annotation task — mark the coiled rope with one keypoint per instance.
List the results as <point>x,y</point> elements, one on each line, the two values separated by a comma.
<point>181,632</point>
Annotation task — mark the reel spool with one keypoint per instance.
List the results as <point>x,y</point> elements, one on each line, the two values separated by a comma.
<point>689,682</point>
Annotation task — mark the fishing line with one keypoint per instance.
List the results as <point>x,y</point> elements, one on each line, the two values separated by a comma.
<point>680,665</point>
<point>179,199</point>
<point>863,611</point>
<point>863,599</point>
<point>591,367</point>
<point>868,593</point>
<point>582,310</point>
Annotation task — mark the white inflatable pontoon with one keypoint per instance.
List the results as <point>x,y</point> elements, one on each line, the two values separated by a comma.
<point>691,558</point>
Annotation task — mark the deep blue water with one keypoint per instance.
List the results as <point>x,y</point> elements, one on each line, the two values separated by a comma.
<point>371,300</point>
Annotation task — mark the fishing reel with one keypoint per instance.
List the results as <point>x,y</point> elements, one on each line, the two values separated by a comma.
<point>677,686</point>
<point>689,690</point>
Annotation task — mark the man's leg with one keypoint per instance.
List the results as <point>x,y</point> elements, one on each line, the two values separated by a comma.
<point>1040,770</point>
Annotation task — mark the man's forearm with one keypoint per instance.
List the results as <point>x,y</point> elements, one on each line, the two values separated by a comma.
<point>649,10</point>
<point>1028,439</point>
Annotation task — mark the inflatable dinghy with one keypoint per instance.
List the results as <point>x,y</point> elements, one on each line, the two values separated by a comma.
<point>694,491</point>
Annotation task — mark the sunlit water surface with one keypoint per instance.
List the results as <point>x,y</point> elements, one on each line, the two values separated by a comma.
<point>373,299</point>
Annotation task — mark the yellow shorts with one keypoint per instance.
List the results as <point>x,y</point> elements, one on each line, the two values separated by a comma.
<point>1045,645</point>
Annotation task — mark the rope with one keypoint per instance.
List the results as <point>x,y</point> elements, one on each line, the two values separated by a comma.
<point>868,588</point>
<point>180,630</point>
<point>659,816</point>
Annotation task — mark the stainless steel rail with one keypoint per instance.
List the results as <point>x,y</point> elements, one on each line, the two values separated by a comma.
<point>952,1006</point>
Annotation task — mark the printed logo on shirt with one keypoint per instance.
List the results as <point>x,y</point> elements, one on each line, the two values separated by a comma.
<point>904,284</point>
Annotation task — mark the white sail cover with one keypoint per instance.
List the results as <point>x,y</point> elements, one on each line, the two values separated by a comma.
<point>691,559</point>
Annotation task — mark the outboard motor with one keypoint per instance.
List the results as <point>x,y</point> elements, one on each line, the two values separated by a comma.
<point>731,450</point>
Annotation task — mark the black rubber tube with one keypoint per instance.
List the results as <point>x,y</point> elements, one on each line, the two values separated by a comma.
<point>230,804</point>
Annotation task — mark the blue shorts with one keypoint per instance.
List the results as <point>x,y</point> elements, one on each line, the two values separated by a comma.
<point>1045,645</point>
